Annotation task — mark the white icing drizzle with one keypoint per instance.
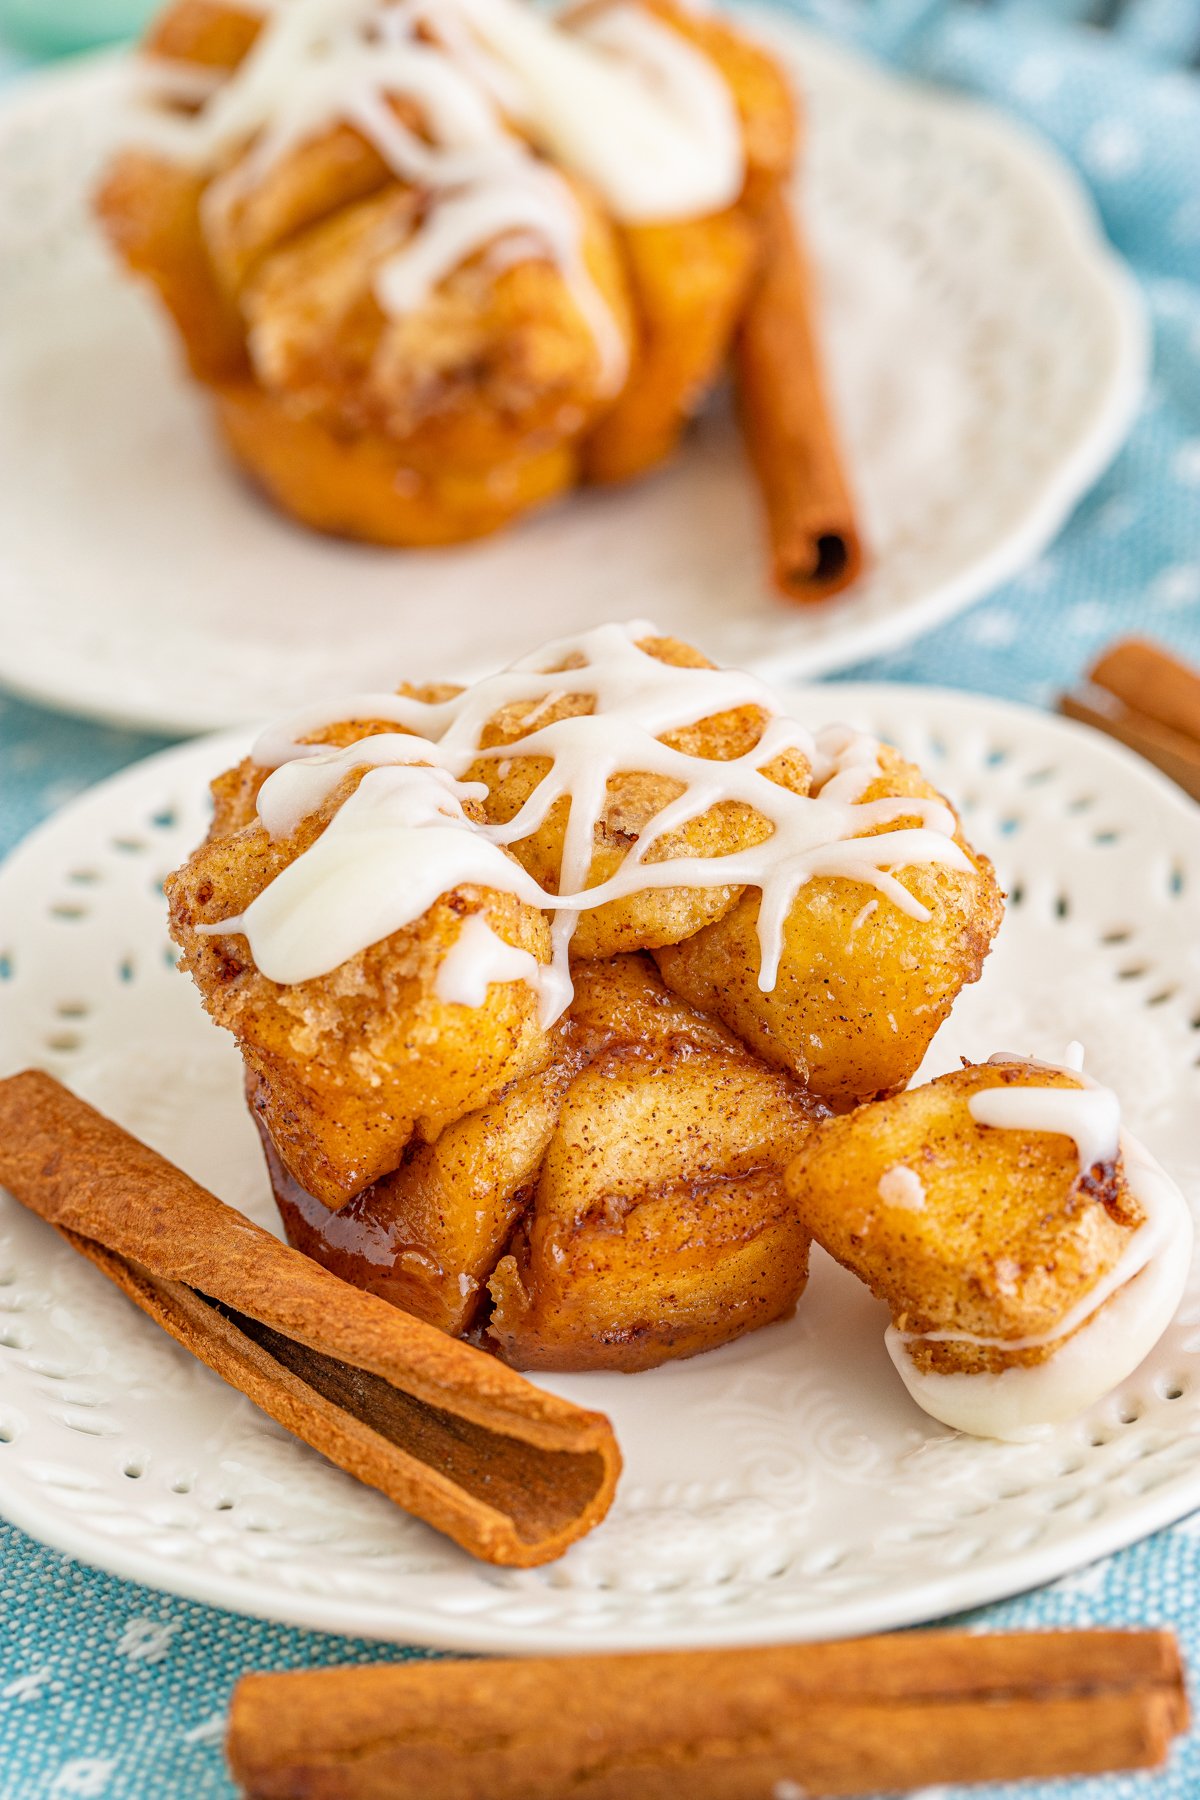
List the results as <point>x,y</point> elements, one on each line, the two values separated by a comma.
<point>313,925</point>
<point>862,915</point>
<point>673,151</point>
<point>620,100</point>
<point>296,790</point>
<point>167,79</point>
<point>398,843</point>
<point>1107,1333</point>
<point>478,957</point>
<point>1090,1115</point>
<point>902,1187</point>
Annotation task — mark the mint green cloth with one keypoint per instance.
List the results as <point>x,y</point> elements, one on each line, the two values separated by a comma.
<point>55,27</point>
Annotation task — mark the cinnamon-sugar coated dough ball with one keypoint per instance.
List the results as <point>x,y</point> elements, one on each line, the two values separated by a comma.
<point>364,486</point>
<point>862,986</point>
<point>653,916</point>
<point>354,1064</point>
<point>235,791</point>
<point>495,363</point>
<point>959,1226</point>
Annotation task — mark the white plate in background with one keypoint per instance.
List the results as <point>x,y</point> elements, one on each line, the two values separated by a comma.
<point>986,348</point>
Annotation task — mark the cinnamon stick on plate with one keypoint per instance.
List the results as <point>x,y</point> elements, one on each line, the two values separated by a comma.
<point>450,1434</point>
<point>786,420</point>
<point>1148,700</point>
<point>885,1713</point>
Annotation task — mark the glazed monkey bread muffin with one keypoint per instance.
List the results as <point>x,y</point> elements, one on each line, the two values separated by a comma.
<point>438,263</point>
<point>523,979</point>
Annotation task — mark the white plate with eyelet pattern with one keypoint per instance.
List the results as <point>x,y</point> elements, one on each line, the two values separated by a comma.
<point>784,1487</point>
<point>985,348</point>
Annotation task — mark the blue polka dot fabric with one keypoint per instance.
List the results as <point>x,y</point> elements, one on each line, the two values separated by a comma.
<point>111,1692</point>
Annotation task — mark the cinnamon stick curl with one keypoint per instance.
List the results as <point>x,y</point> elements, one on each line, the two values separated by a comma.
<point>452,1435</point>
<point>787,422</point>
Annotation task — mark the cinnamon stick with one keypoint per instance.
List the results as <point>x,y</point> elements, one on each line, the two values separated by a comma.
<point>1150,681</point>
<point>787,423</point>
<point>1148,700</point>
<point>773,1724</point>
<point>450,1434</point>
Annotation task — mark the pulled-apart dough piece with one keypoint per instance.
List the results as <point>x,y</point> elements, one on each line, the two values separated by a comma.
<point>1028,1270</point>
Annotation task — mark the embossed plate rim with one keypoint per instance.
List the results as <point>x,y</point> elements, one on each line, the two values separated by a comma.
<point>907,1600</point>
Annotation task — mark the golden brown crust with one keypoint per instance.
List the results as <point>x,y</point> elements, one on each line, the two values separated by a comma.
<point>623,1208</point>
<point>1008,1235</point>
<point>354,1064</point>
<point>150,210</point>
<point>659,1225</point>
<point>211,33</point>
<point>428,1236</point>
<point>495,365</point>
<point>862,987</point>
<point>689,281</point>
<point>509,1472</point>
<point>448,422</point>
<point>657,916</point>
<point>364,485</point>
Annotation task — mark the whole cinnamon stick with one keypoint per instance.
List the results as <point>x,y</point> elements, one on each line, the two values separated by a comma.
<point>1149,680</point>
<point>787,423</point>
<point>511,1473</point>
<point>1149,701</point>
<point>773,1724</point>
<point>1175,755</point>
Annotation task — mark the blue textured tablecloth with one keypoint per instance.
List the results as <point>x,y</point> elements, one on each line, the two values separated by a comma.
<point>111,1691</point>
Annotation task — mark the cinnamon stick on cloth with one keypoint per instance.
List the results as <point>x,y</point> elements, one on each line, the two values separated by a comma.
<point>885,1713</point>
<point>1149,701</point>
<point>512,1474</point>
<point>786,422</point>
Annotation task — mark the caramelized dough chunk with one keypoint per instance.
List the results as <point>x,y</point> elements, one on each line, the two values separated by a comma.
<point>959,1226</point>
<point>690,278</point>
<point>211,33</point>
<point>659,1225</point>
<point>654,916</point>
<point>862,987</point>
<point>246,221</point>
<point>427,1237</point>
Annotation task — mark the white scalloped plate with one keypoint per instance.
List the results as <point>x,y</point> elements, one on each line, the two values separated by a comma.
<point>986,349</point>
<point>784,1487</point>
